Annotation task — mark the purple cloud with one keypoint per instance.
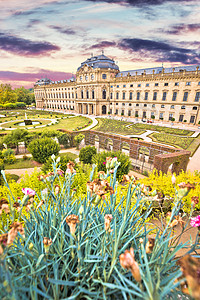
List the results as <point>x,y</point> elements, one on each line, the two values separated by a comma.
<point>26,47</point>
<point>182,28</point>
<point>102,45</point>
<point>160,51</point>
<point>141,3</point>
<point>67,30</point>
<point>30,77</point>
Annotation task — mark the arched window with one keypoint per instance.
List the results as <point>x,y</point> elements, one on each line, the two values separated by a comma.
<point>92,94</point>
<point>104,94</point>
<point>87,94</point>
<point>82,94</point>
<point>103,109</point>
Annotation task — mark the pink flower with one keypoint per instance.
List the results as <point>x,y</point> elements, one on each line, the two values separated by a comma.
<point>104,163</point>
<point>28,192</point>
<point>195,222</point>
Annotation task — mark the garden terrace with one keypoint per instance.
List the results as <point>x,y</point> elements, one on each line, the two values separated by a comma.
<point>144,155</point>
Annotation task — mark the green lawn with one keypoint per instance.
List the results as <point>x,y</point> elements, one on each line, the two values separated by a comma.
<point>29,163</point>
<point>67,122</point>
<point>21,164</point>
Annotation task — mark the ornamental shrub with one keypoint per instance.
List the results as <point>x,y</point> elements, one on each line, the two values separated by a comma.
<point>65,139</point>
<point>62,164</point>
<point>42,149</point>
<point>125,163</point>
<point>77,139</point>
<point>86,154</point>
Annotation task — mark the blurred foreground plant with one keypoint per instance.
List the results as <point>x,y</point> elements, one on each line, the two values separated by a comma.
<point>72,248</point>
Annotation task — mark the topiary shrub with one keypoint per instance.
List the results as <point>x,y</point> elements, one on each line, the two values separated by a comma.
<point>42,149</point>
<point>86,154</point>
<point>125,163</point>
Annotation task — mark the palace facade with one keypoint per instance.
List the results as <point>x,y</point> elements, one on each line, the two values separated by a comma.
<point>169,94</point>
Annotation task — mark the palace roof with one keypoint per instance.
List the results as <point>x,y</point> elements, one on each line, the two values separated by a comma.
<point>157,70</point>
<point>100,61</point>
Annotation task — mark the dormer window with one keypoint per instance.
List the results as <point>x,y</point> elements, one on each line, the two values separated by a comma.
<point>104,76</point>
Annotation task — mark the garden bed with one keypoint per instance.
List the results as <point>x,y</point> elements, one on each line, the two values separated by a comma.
<point>118,127</point>
<point>173,140</point>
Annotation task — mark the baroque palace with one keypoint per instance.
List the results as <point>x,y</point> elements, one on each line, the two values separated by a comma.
<point>169,94</point>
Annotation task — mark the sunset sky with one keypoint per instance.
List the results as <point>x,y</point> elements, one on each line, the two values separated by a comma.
<point>52,37</point>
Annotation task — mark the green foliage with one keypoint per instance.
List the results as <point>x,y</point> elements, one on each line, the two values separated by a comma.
<point>16,136</point>
<point>51,133</point>
<point>163,183</point>
<point>86,154</point>
<point>85,265</point>
<point>100,160</point>
<point>65,139</point>
<point>42,149</point>
<point>47,166</point>
<point>77,139</point>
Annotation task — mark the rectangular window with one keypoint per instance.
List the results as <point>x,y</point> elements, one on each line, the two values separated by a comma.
<point>124,85</point>
<point>146,96</point>
<point>139,85</point>
<point>166,84</point>
<point>123,95</point>
<point>164,96</point>
<point>130,96</point>
<point>136,113</point>
<point>111,95</point>
<point>111,111</point>
<point>161,116</point>
<point>131,85</point>
<point>117,86</point>
<point>155,96</point>
<point>122,112</point>
<point>162,106</point>
<point>174,96</point>
<point>183,107</point>
<point>197,97</point>
<point>129,113</point>
<point>188,83</point>
<point>138,96</point>
<point>147,84</point>
<point>192,118</point>
<point>117,95</point>
<point>181,118</point>
<point>152,114</point>
<point>199,83</point>
<point>156,84</point>
<point>144,115</point>
<point>172,107</point>
<point>153,106</point>
<point>176,83</point>
<point>123,104</point>
<point>116,112</point>
<point>185,96</point>
<point>170,117</point>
